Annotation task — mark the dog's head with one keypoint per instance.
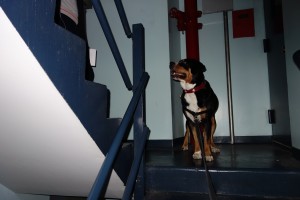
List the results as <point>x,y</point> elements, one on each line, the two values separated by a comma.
<point>188,71</point>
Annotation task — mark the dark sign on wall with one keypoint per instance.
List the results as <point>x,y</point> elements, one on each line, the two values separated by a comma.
<point>243,23</point>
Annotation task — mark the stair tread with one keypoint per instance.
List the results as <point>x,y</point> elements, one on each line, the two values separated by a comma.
<point>239,156</point>
<point>197,196</point>
<point>241,169</point>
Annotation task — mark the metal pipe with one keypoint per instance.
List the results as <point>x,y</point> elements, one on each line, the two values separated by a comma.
<point>228,76</point>
<point>192,27</point>
<point>191,33</point>
<point>188,21</point>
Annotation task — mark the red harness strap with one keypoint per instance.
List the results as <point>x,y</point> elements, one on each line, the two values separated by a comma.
<point>197,88</point>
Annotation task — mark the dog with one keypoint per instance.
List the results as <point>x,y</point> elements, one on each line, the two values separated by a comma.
<point>199,104</point>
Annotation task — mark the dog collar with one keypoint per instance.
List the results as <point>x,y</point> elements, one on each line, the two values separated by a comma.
<point>197,88</point>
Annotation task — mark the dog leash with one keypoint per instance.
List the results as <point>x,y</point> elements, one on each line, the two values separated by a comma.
<point>211,190</point>
<point>197,123</point>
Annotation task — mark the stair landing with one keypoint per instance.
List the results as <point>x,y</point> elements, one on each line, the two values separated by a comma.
<point>255,171</point>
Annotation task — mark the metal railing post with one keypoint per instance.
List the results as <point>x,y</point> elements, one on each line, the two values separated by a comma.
<point>139,117</point>
<point>136,165</point>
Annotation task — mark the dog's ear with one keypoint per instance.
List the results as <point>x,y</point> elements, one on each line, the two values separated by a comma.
<point>196,66</point>
<point>197,69</point>
<point>171,66</point>
<point>202,67</point>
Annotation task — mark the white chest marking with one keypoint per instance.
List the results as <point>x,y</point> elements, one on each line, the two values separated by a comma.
<point>191,99</point>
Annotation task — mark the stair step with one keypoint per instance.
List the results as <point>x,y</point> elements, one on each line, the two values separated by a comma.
<point>200,196</point>
<point>239,170</point>
<point>94,102</point>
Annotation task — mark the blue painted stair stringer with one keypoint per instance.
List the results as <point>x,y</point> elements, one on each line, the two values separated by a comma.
<point>61,54</point>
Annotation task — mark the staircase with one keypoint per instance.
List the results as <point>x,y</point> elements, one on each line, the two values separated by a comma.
<point>61,56</point>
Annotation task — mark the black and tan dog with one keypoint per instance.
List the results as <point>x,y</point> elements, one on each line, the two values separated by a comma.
<point>199,103</point>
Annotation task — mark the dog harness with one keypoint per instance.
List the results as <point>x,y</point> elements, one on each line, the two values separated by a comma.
<point>195,114</point>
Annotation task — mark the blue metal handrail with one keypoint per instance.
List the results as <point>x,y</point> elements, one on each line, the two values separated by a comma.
<point>100,185</point>
<point>136,165</point>
<point>135,110</point>
<point>111,42</point>
<point>123,18</point>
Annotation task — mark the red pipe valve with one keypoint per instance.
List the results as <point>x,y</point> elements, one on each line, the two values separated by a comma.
<point>181,18</point>
<point>188,21</point>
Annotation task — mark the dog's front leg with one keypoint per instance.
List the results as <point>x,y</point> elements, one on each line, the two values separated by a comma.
<point>185,145</point>
<point>207,145</point>
<point>214,148</point>
<point>197,151</point>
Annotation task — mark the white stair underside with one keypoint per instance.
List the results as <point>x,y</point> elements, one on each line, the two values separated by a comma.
<point>44,148</point>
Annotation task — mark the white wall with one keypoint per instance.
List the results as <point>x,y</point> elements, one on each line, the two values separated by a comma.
<point>154,16</point>
<point>7,194</point>
<point>291,19</point>
<point>175,55</point>
<point>251,97</point>
<point>248,69</point>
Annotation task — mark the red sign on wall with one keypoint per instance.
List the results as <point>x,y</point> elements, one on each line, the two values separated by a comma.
<point>243,23</point>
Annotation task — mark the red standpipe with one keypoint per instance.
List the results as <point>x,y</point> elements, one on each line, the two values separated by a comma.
<point>188,21</point>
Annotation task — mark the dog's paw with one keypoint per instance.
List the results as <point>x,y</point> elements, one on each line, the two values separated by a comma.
<point>185,147</point>
<point>209,158</point>
<point>197,155</point>
<point>215,150</point>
